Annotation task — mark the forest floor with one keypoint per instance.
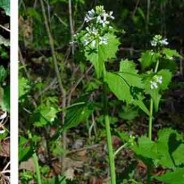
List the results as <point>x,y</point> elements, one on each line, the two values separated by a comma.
<point>4,81</point>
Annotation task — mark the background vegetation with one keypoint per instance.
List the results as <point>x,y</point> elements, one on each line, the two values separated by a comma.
<point>4,91</point>
<point>58,90</point>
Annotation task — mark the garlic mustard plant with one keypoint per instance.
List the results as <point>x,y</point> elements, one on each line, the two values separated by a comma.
<point>100,44</point>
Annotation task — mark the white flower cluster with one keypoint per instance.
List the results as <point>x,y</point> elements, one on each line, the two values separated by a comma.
<point>159,41</point>
<point>98,25</point>
<point>92,36</point>
<point>155,82</point>
<point>100,15</point>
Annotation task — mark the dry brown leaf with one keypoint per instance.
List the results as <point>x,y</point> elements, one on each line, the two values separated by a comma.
<point>95,180</point>
<point>5,148</point>
<point>69,174</point>
<point>69,163</point>
<point>28,165</point>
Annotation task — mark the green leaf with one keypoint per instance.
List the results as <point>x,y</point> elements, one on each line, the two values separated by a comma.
<point>102,53</point>
<point>156,98</point>
<point>167,151</point>
<point>146,148</point>
<point>55,179</point>
<point>166,78</point>
<point>78,114</point>
<point>168,142</point>
<point>25,149</point>
<point>24,87</point>
<point>141,13</point>
<point>129,73</point>
<point>6,99</point>
<point>5,4</point>
<point>178,155</point>
<point>139,101</point>
<point>175,177</point>
<point>169,53</point>
<point>126,83</point>
<point>148,58</point>
<point>128,113</point>
<point>44,115</point>
<point>34,14</point>
<point>118,86</point>
<point>3,74</point>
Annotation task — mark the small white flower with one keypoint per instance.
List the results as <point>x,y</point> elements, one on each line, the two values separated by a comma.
<point>86,42</point>
<point>89,16</point>
<point>170,58</point>
<point>93,43</point>
<point>155,81</point>
<point>104,15</point>
<point>91,13</point>
<point>159,79</point>
<point>153,43</point>
<point>75,35</point>
<point>98,19</point>
<point>102,20</point>
<point>110,15</point>
<point>94,31</point>
<point>164,42</point>
<point>153,85</point>
<point>103,41</point>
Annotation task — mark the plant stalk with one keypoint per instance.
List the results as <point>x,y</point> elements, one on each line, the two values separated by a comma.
<point>151,108</point>
<point>109,140</point>
<point>35,160</point>
<point>150,119</point>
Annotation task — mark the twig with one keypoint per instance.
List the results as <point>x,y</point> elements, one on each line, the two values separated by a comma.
<point>6,29</point>
<point>85,148</point>
<point>7,165</point>
<point>135,9</point>
<point>51,42</point>
<point>23,63</point>
<point>60,20</point>
<point>6,171</point>
<point>119,149</point>
<point>91,127</point>
<point>71,25</point>
<point>148,14</point>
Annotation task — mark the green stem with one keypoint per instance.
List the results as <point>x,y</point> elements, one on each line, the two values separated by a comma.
<point>151,108</point>
<point>109,140</point>
<point>35,160</point>
<point>150,119</point>
<point>149,169</point>
<point>156,66</point>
